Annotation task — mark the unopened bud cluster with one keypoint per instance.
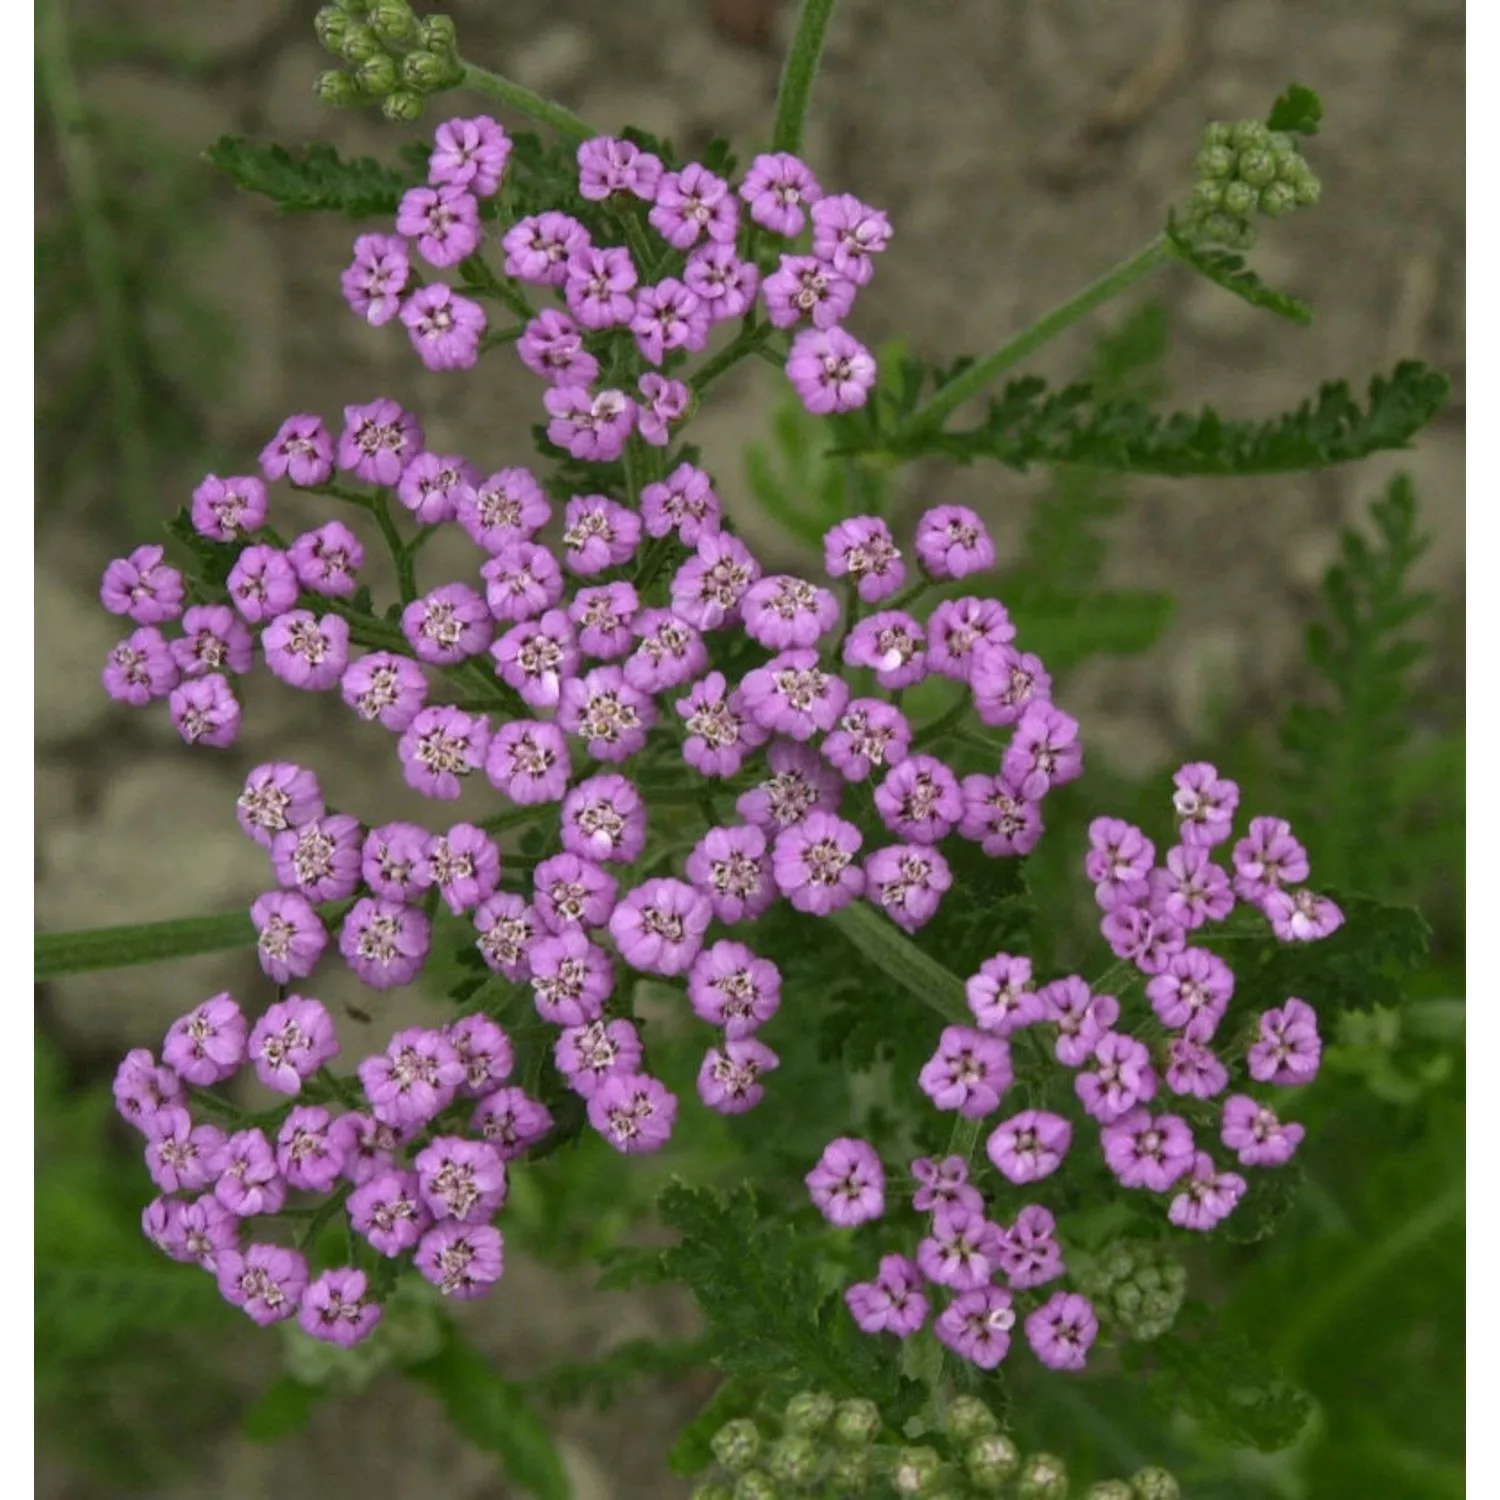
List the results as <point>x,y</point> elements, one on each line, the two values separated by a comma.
<point>828,1448</point>
<point>1242,170</point>
<point>1136,1286</point>
<point>390,56</point>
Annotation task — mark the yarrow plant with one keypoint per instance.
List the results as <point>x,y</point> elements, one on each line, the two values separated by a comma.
<point>686,797</point>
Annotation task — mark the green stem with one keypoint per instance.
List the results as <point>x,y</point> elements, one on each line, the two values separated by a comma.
<point>96,241</point>
<point>797,75</point>
<point>980,374</point>
<point>748,340</point>
<point>527,102</point>
<point>929,733</point>
<point>879,941</point>
<point>59,953</point>
<point>406,572</point>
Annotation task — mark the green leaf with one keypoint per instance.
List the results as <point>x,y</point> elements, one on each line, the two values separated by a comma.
<point>284,1408</point>
<point>1299,110</point>
<point>1366,963</point>
<point>59,953</point>
<point>316,178</point>
<point>750,1272</point>
<point>1031,423</point>
<point>1222,1381</point>
<point>492,1413</point>
<point>1065,628</point>
<point>1230,271</point>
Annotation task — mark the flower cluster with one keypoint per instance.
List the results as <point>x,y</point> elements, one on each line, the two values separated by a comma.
<point>558,664</point>
<point>641,306</point>
<point>1159,919</point>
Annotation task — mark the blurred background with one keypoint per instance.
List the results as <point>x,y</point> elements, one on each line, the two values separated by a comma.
<point>1019,149</point>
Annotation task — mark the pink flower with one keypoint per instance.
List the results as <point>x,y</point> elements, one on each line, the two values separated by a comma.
<point>301,451</point>
<point>305,651</point>
<point>893,1303</point>
<point>659,926</point>
<point>969,1072</point>
<point>976,1326</point>
<point>373,283</point>
<point>537,248</point>
<point>462,1261</point>
<point>848,1183</point>
<point>1146,1151</point>
<point>225,509</point>
<point>692,202</point>
<point>633,1112</point>
<point>143,587</point>
<point>813,863</point>
<point>607,165</point>
<point>775,188</point>
<point>291,1042</point>
<point>444,221</point>
<point>1255,1135</point>
<point>266,1281</point>
<point>334,1308</point>
<point>1029,1146</point>
<point>729,1078</point>
<point>445,328</point>
<point>830,370</point>
<point>846,233</point>
<point>1207,1197</point>
<point>1288,1052</point>
<point>469,154</point>
<point>1062,1331</point>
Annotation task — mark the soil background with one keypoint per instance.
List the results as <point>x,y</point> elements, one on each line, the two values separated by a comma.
<point>1019,147</point>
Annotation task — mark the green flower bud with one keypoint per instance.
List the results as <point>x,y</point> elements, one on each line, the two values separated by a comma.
<point>402,106</point>
<point>355,8</point>
<point>713,1489</point>
<point>394,23</point>
<point>1217,133</point>
<point>1215,161</point>
<point>338,89</point>
<point>1155,1484</point>
<point>810,1412</point>
<point>736,1444</point>
<point>438,34</point>
<point>1245,134</point>
<point>1239,199</point>
<point>916,1471</point>
<point>756,1484</point>
<point>331,26</point>
<point>378,77</point>
<point>1110,1489</point>
<point>991,1462</point>
<point>1257,166</point>
<point>430,72</point>
<point>856,1421</point>
<point>968,1418</point>
<point>794,1459</point>
<point>1307,190</point>
<point>1278,200</point>
<point>359,44</point>
<point>1043,1477</point>
<point>852,1472</point>
<point>1206,198</point>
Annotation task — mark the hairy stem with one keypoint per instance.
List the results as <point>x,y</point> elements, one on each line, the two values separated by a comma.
<point>980,374</point>
<point>527,102</point>
<point>799,72</point>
